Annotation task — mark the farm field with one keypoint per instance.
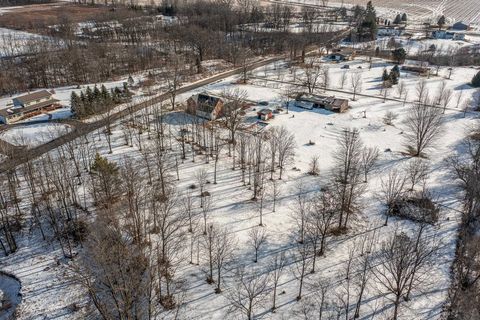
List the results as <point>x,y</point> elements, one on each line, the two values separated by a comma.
<point>316,133</point>
<point>420,10</point>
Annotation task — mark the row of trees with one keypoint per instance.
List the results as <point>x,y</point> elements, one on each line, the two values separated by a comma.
<point>95,101</point>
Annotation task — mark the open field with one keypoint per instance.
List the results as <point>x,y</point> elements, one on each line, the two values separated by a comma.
<point>39,18</point>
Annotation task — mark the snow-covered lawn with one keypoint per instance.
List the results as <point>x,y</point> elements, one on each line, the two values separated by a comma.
<point>35,134</point>
<point>46,291</point>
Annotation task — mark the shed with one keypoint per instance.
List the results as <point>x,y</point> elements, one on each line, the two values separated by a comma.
<point>265,114</point>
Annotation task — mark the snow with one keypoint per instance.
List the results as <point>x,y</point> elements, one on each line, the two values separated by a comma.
<point>13,42</point>
<point>47,293</point>
<point>34,134</point>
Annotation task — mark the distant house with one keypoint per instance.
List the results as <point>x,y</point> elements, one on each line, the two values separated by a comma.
<point>315,101</point>
<point>448,35</point>
<point>29,105</point>
<point>205,105</point>
<point>460,26</point>
<point>345,54</point>
<point>420,67</point>
<point>390,32</point>
<point>265,114</point>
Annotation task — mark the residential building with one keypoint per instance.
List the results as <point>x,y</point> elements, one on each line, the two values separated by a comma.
<point>29,105</point>
<point>325,102</point>
<point>205,105</point>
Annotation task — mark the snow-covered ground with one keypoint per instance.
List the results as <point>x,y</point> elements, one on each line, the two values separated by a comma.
<point>48,293</point>
<point>14,42</point>
<point>34,134</point>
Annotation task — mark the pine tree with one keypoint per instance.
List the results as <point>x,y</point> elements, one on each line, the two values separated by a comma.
<point>404,17</point>
<point>370,21</point>
<point>396,70</point>
<point>441,22</point>
<point>393,77</point>
<point>398,19</point>
<point>399,55</point>
<point>75,104</point>
<point>476,80</point>
<point>385,75</point>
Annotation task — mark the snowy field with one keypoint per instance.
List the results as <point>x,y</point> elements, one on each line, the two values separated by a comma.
<point>35,134</point>
<point>47,292</point>
<point>14,42</point>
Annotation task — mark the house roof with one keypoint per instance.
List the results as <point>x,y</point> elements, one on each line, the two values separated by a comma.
<point>207,102</point>
<point>15,111</point>
<point>42,94</point>
<point>265,111</point>
<point>460,26</point>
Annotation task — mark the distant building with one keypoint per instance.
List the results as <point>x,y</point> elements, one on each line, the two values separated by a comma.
<point>29,105</point>
<point>420,67</point>
<point>345,54</point>
<point>390,32</point>
<point>265,114</point>
<point>448,35</point>
<point>331,103</point>
<point>205,105</point>
<point>460,26</point>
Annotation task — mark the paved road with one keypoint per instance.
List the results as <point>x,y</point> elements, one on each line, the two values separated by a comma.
<point>21,157</point>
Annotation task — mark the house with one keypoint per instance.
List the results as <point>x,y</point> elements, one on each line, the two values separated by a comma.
<point>345,54</point>
<point>416,66</point>
<point>390,32</point>
<point>265,114</point>
<point>29,105</point>
<point>315,101</point>
<point>205,105</point>
<point>460,26</point>
<point>448,35</point>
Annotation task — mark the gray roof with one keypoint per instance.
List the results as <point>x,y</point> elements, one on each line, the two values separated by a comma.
<point>42,94</point>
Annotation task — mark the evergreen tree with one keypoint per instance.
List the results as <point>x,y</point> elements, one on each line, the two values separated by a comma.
<point>396,70</point>
<point>370,21</point>
<point>441,22</point>
<point>393,77</point>
<point>75,104</point>
<point>89,96</point>
<point>476,80</point>
<point>399,55</point>
<point>398,19</point>
<point>385,75</point>
<point>404,17</point>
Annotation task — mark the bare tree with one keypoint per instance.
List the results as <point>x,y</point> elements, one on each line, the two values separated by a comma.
<point>424,125</point>
<point>277,266</point>
<point>286,148</point>
<point>357,82</point>
<point>392,189</point>
<point>446,98</point>
<point>347,173</point>
<point>201,176</point>
<point>257,237</point>
<point>312,74</point>
<point>343,79</point>
<point>223,248</point>
<point>417,170</point>
<point>397,263</point>
<point>369,158</point>
<point>249,291</point>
